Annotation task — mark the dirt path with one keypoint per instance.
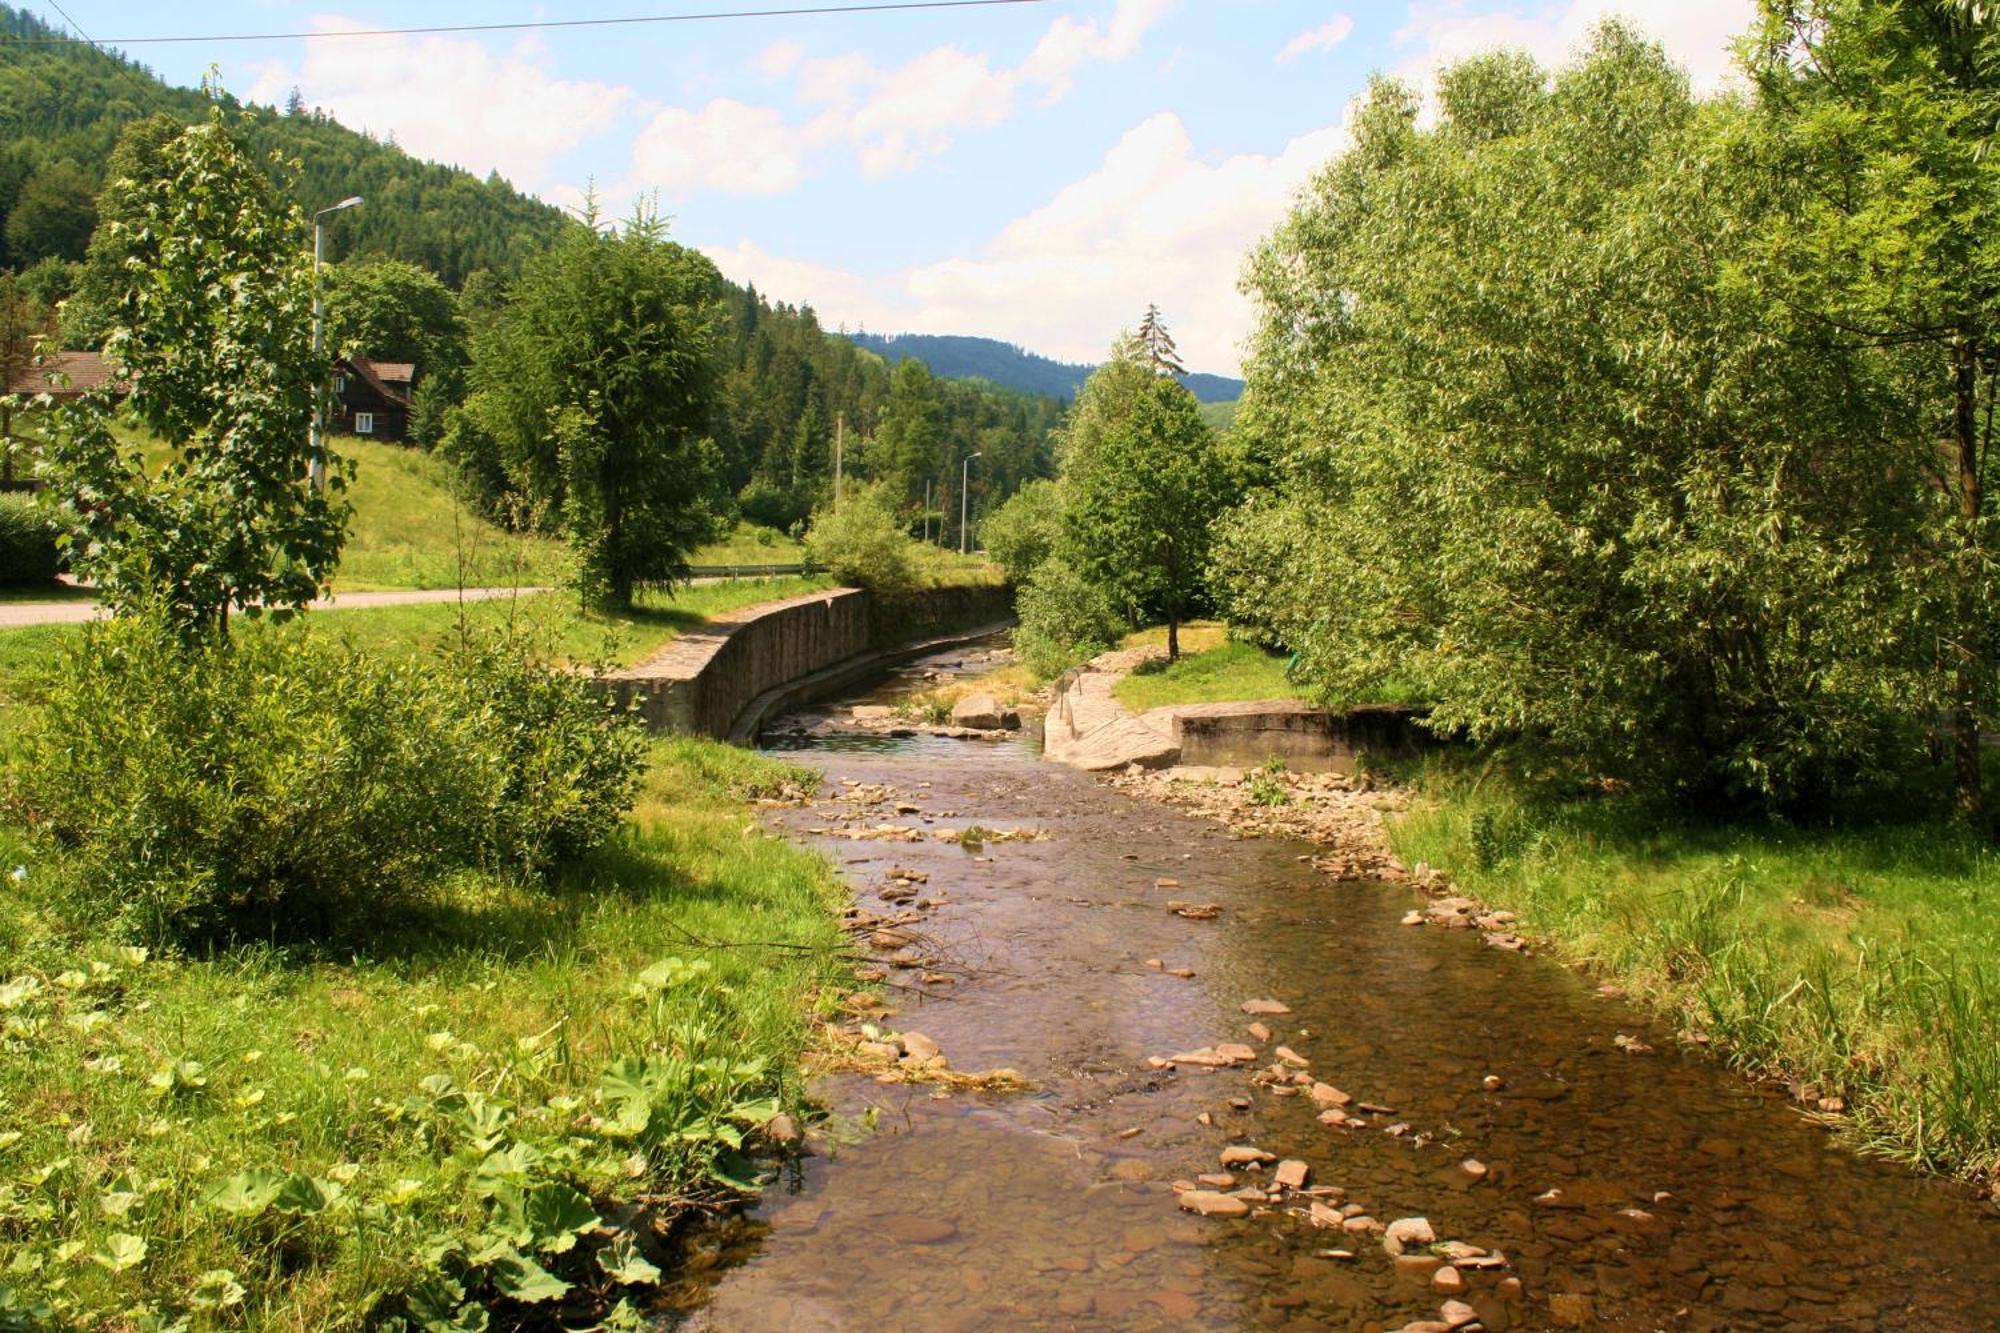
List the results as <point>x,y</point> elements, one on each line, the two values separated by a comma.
<point>1571,1167</point>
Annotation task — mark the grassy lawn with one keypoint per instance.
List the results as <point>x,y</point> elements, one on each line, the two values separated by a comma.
<point>391,1070</point>
<point>1863,963</point>
<point>750,544</point>
<point>411,531</point>
<point>555,620</point>
<point>1210,670</point>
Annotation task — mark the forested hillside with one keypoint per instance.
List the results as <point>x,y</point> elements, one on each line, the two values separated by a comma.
<point>63,106</point>
<point>961,358</point>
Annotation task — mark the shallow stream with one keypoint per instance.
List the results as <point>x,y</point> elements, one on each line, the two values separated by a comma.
<point>1683,1197</point>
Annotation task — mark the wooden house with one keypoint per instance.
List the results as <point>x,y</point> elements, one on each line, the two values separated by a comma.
<point>371,399</point>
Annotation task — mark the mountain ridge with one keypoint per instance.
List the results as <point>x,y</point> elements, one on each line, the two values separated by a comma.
<point>967,356</point>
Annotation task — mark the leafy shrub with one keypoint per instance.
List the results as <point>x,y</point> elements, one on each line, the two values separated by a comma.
<point>859,541</point>
<point>570,770</point>
<point>771,505</point>
<point>281,784</point>
<point>1022,533</point>
<point>1065,619</point>
<point>28,531</point>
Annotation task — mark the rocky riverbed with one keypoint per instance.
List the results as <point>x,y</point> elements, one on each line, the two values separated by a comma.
<point>1110,1063</point>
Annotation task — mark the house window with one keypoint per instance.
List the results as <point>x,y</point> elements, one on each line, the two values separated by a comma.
<point>364,423</point>
<point>340,384</point>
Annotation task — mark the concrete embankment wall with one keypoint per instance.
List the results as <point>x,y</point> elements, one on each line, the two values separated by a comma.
<point>1302,738</point>
<point>704,680</point>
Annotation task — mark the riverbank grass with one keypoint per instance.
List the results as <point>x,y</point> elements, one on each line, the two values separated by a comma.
<point>289,1138</point>
<point>1861,964</point>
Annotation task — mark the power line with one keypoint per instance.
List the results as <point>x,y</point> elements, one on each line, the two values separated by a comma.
<point>72,22</point>
<point>710,16</point>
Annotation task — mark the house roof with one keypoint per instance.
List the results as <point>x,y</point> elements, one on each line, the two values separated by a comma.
<point>395,372</point>
<point>85,371</point>
<point>390,379</point>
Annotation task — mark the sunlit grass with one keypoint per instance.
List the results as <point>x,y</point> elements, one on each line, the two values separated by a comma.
<point>1210,670</point>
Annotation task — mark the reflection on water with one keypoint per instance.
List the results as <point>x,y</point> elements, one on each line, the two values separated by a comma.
<point>1623,1191</point>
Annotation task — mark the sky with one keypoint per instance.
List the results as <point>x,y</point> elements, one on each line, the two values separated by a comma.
<point>1034,172</point>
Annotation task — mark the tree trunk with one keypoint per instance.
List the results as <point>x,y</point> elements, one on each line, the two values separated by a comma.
<point>1173,638</point>
<point>1966,685</point>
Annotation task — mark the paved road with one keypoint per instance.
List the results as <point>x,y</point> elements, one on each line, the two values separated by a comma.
<point>19,615</point>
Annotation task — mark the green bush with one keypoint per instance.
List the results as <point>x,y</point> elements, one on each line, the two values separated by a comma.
<point>28,531</point>
<point>1065,619</point>
<point>860,542</point>
<point>278,784</point>
<point>1022,533</point>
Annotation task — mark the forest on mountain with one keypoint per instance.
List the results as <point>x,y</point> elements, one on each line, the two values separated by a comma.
<point>439,240</point>
<point>956,356</point>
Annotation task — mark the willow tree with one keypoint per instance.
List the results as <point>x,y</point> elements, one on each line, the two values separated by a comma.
<point>1545,458</point>
<point>1885,113</point>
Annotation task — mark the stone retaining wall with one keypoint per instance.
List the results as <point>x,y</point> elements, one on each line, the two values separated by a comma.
<point>699,683</point>
<point>702,682</point>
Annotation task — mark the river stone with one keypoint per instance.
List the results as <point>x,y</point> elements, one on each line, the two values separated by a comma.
<point>1243,1155</point>
<point>1211,1204</point>
<point>980,711</point>
<point>1458,1314</point>
<point>1449,1281</point>
<point>1325,1094</point>
<point>914,1230</point>
<point>919,1047</point>
<point>1265,1007</point>
<point>1291,1174</point>
<point>1408,1233</point>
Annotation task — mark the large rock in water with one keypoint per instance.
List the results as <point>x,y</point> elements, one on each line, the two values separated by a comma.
<point>981,711</point>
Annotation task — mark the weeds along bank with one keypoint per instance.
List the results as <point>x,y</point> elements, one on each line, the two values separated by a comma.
<point>339,987</point>
<point>1855,963</point>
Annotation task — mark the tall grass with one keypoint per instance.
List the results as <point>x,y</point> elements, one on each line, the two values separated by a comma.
<point>1860,963</point>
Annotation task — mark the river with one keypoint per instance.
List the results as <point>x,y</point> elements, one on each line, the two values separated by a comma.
<point>1606,1189</point>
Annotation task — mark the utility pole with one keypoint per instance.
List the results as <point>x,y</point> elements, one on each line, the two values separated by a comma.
<point>316,467</point>
<point>839,442</point>
<point>964,480</point>
<point>927,511</point>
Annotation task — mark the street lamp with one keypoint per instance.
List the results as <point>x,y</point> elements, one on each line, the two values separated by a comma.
<point>318,450</point>
<point>964,475</point>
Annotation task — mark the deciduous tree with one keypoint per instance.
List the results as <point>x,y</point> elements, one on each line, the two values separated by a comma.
<point>214,336</point>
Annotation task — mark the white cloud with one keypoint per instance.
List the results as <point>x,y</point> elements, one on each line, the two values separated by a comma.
<point>1068,46</point>
<point>779,59</point>
<point>727,145</point>
<point>1323,38</point>
<point>1696,33</point>
<point>891,120</point>
<point>450,99</point>
<point>1155,222</point>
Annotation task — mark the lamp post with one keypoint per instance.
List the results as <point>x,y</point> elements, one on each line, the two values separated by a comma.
<point>964,476</point>
<point>317,466</point>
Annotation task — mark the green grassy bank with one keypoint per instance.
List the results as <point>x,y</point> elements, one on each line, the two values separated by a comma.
<point>280,1138</point>
<point>1861,964</point>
